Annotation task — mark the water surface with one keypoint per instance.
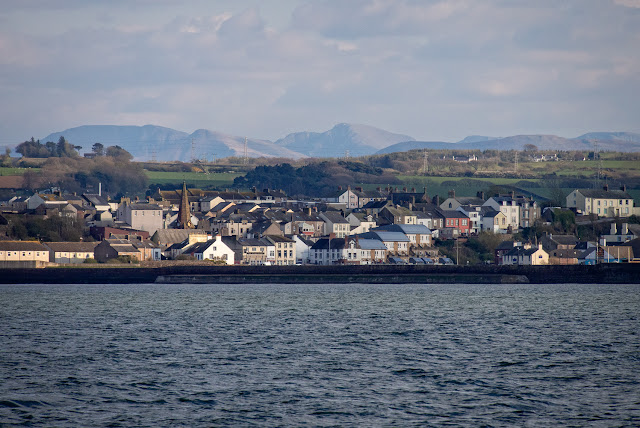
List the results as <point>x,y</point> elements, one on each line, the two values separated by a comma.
<point>319,355</point>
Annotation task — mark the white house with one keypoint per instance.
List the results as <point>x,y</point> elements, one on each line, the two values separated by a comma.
<point>214,249</point>
<point>508,206</point>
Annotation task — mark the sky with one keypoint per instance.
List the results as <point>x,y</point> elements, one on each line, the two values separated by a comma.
<point>433,70</point>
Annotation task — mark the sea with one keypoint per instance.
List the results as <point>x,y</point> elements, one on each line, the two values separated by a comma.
<point>152,355</point>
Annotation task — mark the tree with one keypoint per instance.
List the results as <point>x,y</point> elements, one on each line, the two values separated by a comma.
<point>98,149</point>
<point>119,153</point>
<point>530,148</point>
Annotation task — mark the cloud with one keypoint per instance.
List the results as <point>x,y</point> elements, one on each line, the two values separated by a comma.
<point>628,3</point>
<point>430,69</point>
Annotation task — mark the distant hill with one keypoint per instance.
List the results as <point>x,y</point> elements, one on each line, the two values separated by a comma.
<point>359,140</point>
<point>607,141</point>
<point>165,144</point>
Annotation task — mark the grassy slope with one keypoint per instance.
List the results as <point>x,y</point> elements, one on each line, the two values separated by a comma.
<point>198,179</point>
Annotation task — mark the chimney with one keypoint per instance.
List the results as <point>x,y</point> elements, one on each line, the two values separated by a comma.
<point>513,194</point>
<point>606,187</point>
<point>436,200</point>
<point>452,193</point>
<point>339,187</point>
<point>413,190</point>
<point>613,230</point>
<point>359,189</point>
<point>623,188</point>
<point>480,195</point>
<point>625,228</point>
<point>308,211</point>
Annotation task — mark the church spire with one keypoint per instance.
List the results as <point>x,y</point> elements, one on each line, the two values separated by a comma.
<point>184,213</point>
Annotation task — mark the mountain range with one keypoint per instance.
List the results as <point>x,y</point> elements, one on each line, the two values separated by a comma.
<point>151,142</point>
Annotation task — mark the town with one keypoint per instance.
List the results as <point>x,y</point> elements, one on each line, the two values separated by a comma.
<point>354,226</point>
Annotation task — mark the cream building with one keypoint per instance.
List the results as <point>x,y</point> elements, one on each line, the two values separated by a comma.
<point>602,202</point>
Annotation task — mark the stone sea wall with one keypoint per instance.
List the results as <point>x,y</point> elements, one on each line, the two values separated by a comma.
<point>603,273</point>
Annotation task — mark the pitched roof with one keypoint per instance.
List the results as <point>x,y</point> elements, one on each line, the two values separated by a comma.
<point>409,229</point>
<point>70,247</point>
<point>21,246</point>
<point>605,194</point>
<point>335,217</point>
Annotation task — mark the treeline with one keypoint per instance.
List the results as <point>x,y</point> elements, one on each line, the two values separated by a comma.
<point>314,179</point>
<point>34,149</point>
<point>51,229</point>
<point>65,169</point>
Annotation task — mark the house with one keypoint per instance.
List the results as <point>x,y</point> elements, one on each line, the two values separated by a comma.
<point>141,216</point>
<point>335,224</point>
<point>327,251</point>
<point>502,249</point>
<point>565,256</point>
<point>492,220</point>
<point>398,215</point>
<point>418,234</point>
<point>526,255</point>
<point>430,215</point>
<point>360,222</point>
<point>529,210</point>
<point>453,202</point>
<point>251,251</point>
<point>174,250</point>
<point>167,237</point>
<point>285,249</point>
<point>213,249</point>
<point>456,224</point>
<point>149,250</point>
<point>23,251</point>
<point>397,243</point>
<point>111,249</point>
<point>475,217</point>
<point>70,252</point>
<point>97,201</point>
<point>101,233</point>
<point>552,242</point>
<point>626,232</point>
<point>602,202</point>
<point>349,250</point>
<point>508,206</point>
<point>302,248</point>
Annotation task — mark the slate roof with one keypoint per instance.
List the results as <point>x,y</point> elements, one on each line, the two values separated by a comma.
<point>605,194</point>
<point>335,217</point>
<point>407,229</point>
<point>453,214</point>
<point>385,236</point>
<point>371,244</point>
<point>21,246</point>
<point>70,247</point>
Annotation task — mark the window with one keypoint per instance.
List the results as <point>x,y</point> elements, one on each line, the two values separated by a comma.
<point>598,210</point>
<point>598,202</point>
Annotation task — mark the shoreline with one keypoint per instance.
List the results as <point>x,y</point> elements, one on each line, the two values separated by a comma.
<point>624,273</point>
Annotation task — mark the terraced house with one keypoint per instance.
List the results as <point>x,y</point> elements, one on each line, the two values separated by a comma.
<point>602,202</point>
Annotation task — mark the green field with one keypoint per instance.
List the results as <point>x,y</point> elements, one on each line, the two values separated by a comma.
<point>197,179</point>
<point>16,171</point>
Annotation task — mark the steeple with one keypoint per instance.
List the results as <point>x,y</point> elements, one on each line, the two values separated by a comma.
<point>184,213</point>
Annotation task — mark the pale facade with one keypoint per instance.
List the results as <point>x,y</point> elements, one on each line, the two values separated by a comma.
<point>603,203</point>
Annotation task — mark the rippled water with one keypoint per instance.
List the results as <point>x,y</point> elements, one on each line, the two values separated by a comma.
<point>320,355</point>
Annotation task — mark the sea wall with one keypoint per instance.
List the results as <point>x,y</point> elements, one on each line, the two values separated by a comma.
<point>603,273</point>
